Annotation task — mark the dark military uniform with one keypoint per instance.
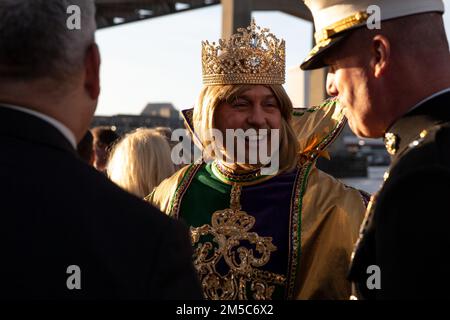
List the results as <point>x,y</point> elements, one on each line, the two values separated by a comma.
<point>407,228</point>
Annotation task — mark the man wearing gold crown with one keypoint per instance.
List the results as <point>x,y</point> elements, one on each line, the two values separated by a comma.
<point>261,235</point>
<point>394,81</point>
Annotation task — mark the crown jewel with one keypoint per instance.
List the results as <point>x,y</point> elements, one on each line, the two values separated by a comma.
<point>251,56</point>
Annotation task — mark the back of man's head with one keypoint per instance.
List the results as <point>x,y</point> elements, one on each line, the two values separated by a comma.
<point>418,52</point>
<point>36,39</point>
<point>48,59</point>
<point>411,37</point>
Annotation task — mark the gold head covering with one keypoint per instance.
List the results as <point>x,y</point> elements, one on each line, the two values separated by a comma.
<point>251,56</point>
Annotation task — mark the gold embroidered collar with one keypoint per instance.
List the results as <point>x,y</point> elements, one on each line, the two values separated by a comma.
<point>230,177</point>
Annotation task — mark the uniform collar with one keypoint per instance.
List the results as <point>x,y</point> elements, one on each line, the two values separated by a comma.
<point>414,124</point>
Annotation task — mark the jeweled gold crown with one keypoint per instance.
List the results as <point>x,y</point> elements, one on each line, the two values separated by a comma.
<point>251,56</point>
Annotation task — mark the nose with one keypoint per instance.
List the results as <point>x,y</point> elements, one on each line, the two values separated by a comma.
<point>331,85</point>
<point>257,117</point>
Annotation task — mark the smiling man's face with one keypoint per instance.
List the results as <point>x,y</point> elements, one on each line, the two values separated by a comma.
<point>256,108</point>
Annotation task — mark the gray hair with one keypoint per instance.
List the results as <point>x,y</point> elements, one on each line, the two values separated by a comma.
<point>36,42</point>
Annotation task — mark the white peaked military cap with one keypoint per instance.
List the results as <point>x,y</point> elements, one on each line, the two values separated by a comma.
<point>334,18</point>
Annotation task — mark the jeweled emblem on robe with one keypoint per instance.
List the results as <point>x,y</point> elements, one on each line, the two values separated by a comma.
<point>229,262</point>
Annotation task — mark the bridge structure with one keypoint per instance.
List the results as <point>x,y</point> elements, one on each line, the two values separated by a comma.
<point>235,14</point>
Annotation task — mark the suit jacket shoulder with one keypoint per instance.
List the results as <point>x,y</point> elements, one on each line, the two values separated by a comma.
<point>58,212</point>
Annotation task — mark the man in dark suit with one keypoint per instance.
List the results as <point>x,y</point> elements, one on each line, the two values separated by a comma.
<point>389,65</point>
<point>66,231</point>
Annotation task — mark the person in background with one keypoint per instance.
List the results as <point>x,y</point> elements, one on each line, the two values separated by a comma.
<point>85,148</point>
<point>140,161</point>
<point>166,132</point>
<point>104,139</point>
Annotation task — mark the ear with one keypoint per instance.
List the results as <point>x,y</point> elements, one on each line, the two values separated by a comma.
<point>330,84</point>
<point>381,55</point>
<point>92,69</point>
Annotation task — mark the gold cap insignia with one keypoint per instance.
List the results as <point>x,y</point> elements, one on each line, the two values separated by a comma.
<point>251,56</point>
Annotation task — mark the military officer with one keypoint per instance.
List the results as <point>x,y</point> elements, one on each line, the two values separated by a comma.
<point>393,77</point>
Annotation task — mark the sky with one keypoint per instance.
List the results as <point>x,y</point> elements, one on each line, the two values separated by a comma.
<point>159,59</point>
